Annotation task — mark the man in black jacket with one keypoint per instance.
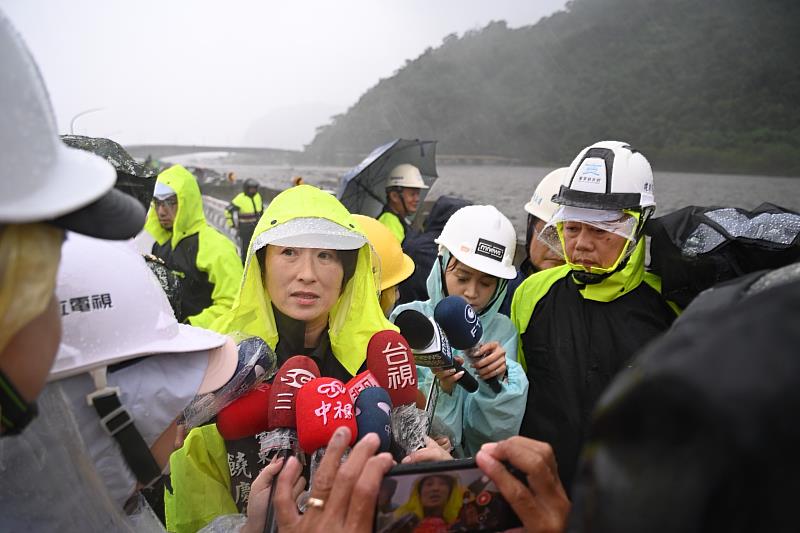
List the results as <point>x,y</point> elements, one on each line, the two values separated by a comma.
<point>580,323</point>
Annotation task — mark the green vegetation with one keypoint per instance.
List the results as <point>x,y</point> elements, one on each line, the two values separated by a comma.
<point>701,86</point>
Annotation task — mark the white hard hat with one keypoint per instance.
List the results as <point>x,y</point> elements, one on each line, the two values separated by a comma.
<point>481,237</point>
<point>608,175</point>
<point>407,176</point>
<point>113,309</point>
<point>541,204</point>
<point>42,179</point>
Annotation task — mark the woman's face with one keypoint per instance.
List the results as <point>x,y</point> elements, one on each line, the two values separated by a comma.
<point>434,491</point>
<point>474,286</point>
<point>303,283</point>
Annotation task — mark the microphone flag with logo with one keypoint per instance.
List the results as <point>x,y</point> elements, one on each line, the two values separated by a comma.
<point>359,383</point>
<point>323,405</point>
<point>292,375</point>
<point>464,330</point>
<point>391,361</point>
<point>431,346</point>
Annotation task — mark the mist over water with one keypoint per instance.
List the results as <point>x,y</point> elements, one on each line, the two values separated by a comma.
<point>508,187</point>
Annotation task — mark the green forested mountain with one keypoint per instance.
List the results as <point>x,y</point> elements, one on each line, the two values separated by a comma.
<point>711,85</point>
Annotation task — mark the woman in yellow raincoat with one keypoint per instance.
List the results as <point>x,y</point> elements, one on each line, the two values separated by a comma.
<point>309,288</point>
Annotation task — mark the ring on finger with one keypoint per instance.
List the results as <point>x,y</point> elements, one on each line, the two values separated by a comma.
<point>315,503</point>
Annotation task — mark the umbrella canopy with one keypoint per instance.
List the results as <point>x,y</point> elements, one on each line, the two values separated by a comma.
<point>133,177</point>
<point>363,189</point>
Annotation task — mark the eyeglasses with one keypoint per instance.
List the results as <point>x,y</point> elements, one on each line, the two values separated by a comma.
<point>172,201</point>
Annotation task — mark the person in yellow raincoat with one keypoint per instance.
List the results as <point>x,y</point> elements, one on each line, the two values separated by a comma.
<point>248,206</point>
<point>308,288</point>
<point>433,506</point>
<point>187,244</point>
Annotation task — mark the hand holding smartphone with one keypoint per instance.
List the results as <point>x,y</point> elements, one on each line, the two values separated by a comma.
<point>448,496</point>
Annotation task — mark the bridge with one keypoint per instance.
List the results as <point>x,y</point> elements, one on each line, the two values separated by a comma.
<point>160,151</point>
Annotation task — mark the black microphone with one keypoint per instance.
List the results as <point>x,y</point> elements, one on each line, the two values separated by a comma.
<point>463,328</point>
<point>374,415</point>
<point>430,345</point>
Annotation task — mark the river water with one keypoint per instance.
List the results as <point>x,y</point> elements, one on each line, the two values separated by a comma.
<point>508,188</point>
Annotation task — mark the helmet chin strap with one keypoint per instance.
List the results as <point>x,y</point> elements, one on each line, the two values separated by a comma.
<point>590,278</point>
<point>402,201</point>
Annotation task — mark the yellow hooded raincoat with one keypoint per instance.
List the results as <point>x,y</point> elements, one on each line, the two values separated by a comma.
<point>209,261</point>
<point>199,474</point>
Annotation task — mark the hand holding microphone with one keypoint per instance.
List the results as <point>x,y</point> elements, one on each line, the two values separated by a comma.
<point>431,346</point>
<point>464,330</point>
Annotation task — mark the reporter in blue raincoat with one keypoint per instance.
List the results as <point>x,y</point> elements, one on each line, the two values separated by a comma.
<point>465,268</point>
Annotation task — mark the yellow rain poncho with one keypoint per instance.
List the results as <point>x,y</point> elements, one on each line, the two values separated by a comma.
<point>200,467</point>
<point>209,261</point>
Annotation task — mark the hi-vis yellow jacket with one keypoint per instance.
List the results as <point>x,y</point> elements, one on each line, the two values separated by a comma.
<point>248,207</point>
<point>208,259</point>
<point>199,473</point>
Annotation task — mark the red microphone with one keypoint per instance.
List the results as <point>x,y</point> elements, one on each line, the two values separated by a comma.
<point>390,360</point>
<point>360,382</point>
<point>323,405</point>
<point>246,416</point>
<point>296,372</point>
<point>293,374</point>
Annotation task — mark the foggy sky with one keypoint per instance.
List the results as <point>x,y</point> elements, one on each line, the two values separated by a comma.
<point>204,72</point>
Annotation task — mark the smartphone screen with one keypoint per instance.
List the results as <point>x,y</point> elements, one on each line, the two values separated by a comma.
<point>449,496</point>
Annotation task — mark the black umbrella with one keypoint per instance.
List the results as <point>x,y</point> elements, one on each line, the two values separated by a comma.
<point>363,189</point>
<point>133,178</point>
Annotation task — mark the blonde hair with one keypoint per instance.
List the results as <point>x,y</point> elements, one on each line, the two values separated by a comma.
<point>29,257</point>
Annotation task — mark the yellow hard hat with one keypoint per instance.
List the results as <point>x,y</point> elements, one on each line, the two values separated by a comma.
<point>395,265</point>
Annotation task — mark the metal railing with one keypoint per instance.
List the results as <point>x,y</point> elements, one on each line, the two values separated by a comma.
<point>214,209</point>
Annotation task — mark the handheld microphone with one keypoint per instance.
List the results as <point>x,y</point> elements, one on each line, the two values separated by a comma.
<point>293,374</point>
<point>430,345</point>
<point>359,383</point>
<point>391,361</point>
<point>464,329</point>
<point>296,372</point>
<point>373,415</point>
<point>323,405</point>
<point>256,363</point>
<point>246,416</point>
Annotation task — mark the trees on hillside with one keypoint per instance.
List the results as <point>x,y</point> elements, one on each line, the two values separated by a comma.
<point>697,85</point>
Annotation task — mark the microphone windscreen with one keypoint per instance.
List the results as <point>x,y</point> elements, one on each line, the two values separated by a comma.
<point>390,360</point>
<point>359,383</point>
<point>373,415</point>
<point>293,374</point>
<point>415,327</point>
<point>255,350</point>
<point>459,321</point>
<point>246,416</point>
<point>323,405</point>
